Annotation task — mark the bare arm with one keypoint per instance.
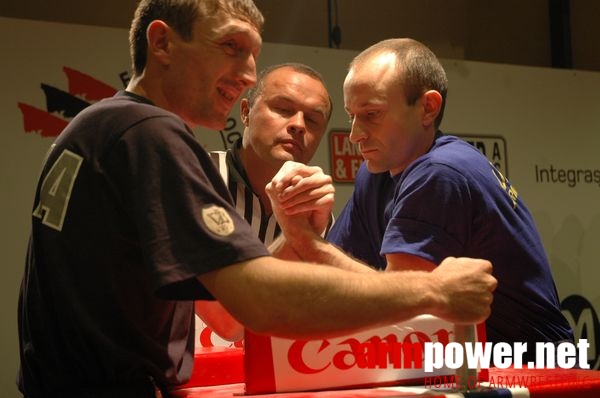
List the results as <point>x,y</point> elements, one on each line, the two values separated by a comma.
<point>302,200</point>
<point>406,262</point>
<point>301,189</point>
<point>291,299</point>
<point>316,250</point>
<point>298,300</point>
<point>218,318</point>
<point>312,190</point>
<point>322,253</point>
<point>310,301</point>
<point>281,249</point>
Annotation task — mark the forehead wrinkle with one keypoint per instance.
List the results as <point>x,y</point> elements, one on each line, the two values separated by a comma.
<point>278,90</point>
<point>368,84</point>
<point>215,30</point>
<point>369,95</point>
<point>292,101</point>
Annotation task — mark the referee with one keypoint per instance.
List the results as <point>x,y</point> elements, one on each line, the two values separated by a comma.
<point>285,116</point>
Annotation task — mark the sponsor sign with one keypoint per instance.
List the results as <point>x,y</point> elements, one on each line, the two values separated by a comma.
<point>345,156</point>
<point>380,356</point>
<point>584,320</point>
<point>492,147</point>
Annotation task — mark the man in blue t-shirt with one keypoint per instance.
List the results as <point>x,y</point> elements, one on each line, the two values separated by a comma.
<point>421,196</point>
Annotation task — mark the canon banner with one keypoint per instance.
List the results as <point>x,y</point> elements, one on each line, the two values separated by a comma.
<point>395,354</point>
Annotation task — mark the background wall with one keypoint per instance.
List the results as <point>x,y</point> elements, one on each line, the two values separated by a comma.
<point>500,31</point>
<point>527,119</point>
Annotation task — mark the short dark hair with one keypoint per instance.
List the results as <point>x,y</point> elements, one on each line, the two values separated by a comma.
<point>257,90</point>
<point>418,69</point>
<point>181,16</point>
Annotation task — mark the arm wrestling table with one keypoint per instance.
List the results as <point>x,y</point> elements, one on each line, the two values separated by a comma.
<point>215,382</point>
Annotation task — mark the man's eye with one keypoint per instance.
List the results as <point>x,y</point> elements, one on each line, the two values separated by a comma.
<point>312,121</point>
<point>230,46</point>
<point>283,110</point>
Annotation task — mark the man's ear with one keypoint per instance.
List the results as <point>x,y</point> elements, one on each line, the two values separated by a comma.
<point>432,105</point>
<point>244,110</point>
<point>158,35</point>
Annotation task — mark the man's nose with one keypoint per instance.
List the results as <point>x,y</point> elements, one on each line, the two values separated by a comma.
<point>357,134</point>
<point>247,72</point>
<point>297,124</point>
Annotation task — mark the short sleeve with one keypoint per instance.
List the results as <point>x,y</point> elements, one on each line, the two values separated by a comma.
<point>431,213</point>
<point>181,208</point>
<point>360,226</point>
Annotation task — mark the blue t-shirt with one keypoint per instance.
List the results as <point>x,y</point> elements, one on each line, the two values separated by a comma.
<point>360,226</point>
<point>452,202</point>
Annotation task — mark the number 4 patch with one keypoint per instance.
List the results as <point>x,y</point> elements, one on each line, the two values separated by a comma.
<point>56,190</point>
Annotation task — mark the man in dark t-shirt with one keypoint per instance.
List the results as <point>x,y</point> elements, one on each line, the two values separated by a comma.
<point>132,222</point>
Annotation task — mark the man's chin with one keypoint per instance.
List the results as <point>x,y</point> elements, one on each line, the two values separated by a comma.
<point>373,167</point>
<point>285,154</point>
<point>212,123</point>
<point>278,159</point>
<point>289,157</point>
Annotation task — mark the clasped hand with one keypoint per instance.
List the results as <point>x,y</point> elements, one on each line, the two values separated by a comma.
<point>301,197</point>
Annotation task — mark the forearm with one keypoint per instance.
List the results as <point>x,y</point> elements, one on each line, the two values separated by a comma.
<point>219,320</point>
<point>360,303</point>
<point>298,300</point>
<point>280,248</point>
<point>313,248</point>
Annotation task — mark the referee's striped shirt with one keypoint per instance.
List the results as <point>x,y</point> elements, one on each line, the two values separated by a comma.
<point>247,203</point>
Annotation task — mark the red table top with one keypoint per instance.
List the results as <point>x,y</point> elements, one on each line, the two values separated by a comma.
<point>535,383</point>
<point>219,373</point>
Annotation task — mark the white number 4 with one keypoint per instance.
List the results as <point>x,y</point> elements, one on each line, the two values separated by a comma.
<point>56,190</point>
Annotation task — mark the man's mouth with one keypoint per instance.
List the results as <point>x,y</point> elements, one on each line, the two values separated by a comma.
<point>291,143</point>
<point>229,95</point>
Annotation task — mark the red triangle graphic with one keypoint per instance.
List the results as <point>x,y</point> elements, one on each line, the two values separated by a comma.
<point>86,86</point>
<point>37,120</point>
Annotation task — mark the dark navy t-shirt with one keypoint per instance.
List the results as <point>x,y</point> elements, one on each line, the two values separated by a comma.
<point>128,212</point>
